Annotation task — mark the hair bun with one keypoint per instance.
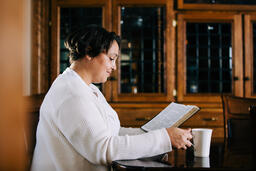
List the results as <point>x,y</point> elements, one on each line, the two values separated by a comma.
<point>91,40</point>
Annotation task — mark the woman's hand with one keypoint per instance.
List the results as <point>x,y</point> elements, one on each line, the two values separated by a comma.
<point>180,138</point>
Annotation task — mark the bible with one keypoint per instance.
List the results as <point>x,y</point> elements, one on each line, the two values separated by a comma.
<point>173,115</point>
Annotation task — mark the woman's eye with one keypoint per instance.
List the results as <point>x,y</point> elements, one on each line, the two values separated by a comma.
<point>111,58</point>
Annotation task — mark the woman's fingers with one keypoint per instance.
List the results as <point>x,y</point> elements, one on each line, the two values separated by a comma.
<point>189,143</point>
<point>180,138</point>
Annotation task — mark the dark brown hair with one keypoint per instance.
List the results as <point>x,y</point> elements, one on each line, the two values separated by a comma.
<point>90,40</point>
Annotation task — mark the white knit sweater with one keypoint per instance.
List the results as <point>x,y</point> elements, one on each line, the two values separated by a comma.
<point>78,130</point>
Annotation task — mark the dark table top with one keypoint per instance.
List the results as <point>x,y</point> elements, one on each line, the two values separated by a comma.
<point>224,155</point>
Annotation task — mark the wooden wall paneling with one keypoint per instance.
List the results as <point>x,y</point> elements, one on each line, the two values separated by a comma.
<point>217,132</point>
<point>248,54</point>
<point>230,7</point>
<point>237,58</point>
<point>116,28</point>
<point>136,117</point>
<point>107,23</point>
<point>207,117</point>
<point>163,105</point>
<point>40,47</point>
<point>13,122</point>
<point>54,66</point>
<point>181,72</point>
<point>136,114</point>
<point>170,51</point>
<point>81,3</point>
<point>141,2</point>
<point>248,85</point>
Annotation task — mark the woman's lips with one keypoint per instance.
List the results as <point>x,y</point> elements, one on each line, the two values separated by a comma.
<point>109,72</point>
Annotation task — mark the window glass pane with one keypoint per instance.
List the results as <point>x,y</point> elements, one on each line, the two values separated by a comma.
<point>72,19</point>
<point>254,57</point>
<point>209,57</point>
<point>142,49</point>
<point>238,2</point>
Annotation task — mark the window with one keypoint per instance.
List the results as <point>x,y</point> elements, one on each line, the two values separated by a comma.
<point>208,57</point>
<point>142,49</point>
<point>147,51</point>
<point>72,19</point>
<point>66,17</point>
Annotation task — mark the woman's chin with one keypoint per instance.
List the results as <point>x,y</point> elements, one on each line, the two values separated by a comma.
<point>100,81</point>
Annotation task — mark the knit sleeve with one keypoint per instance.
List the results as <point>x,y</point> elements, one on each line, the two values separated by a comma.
<point>82,124</point>
<point>130,131</point>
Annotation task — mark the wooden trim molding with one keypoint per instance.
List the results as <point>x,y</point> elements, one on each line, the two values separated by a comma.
<point>248,52</point>
<point>238,56</point>
<point>231,7</point>
<point>40,47</point>
<point>107,23</point>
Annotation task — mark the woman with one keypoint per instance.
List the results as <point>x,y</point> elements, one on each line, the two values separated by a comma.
<point>78,129</point>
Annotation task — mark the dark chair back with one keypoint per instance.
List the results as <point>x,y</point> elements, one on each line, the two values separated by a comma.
<point>237,121</point>
<point>253,120</point>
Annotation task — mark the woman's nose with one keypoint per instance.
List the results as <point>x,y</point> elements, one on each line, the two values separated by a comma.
<point>114,65</point>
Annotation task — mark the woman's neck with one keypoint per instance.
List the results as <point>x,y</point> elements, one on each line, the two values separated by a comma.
<point>81,71</point>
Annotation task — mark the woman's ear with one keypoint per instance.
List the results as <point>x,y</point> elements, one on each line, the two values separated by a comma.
<point>87,57</point>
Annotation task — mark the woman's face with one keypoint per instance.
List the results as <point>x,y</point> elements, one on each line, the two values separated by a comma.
<point>104,64</point>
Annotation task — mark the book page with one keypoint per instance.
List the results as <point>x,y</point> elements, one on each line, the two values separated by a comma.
<point>172,114</point>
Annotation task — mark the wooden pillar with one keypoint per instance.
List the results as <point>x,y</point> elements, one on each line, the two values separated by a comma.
<point>12,115</point>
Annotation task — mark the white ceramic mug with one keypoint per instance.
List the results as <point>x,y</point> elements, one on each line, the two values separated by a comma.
<point>202,141</point>
<point>202,162</point>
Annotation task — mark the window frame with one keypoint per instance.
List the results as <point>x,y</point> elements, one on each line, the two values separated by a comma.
<point>237,54</point>
<point>248,41</point>
<point>106,6</point>
<point>169,74</point>
<point>229,7</point>
<point>169,53</point>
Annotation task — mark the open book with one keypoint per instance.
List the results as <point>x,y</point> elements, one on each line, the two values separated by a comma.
<point>173,115</point>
